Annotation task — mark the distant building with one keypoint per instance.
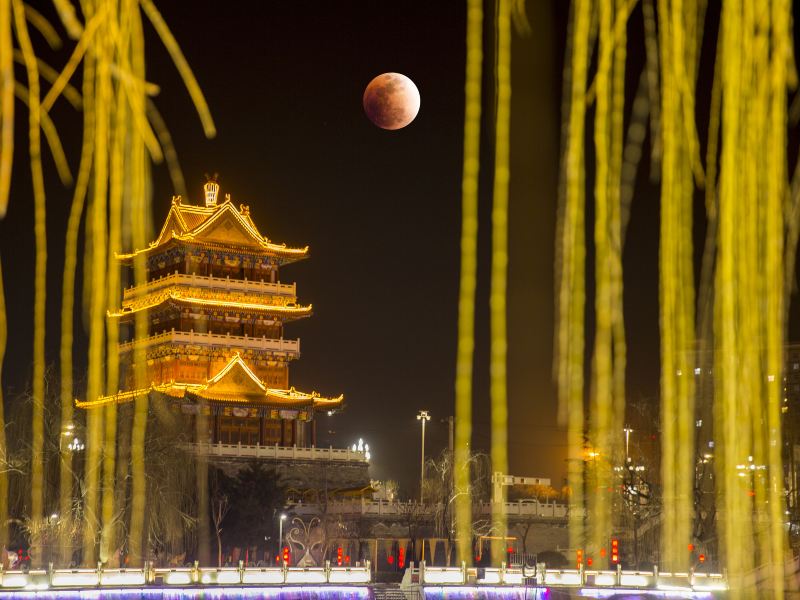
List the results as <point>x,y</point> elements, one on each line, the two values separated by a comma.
<point>791,434</point>
<point>706,492</point>
<point>213,311</point>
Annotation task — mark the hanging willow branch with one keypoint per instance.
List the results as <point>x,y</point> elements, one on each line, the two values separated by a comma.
<point>468,280</point>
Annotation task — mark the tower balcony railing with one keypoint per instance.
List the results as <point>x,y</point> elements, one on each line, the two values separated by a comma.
<point>293,453</point>
<point>207,281</point>
<point>289,347</point>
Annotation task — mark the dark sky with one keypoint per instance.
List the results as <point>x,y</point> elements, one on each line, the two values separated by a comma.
<point>380,210</point>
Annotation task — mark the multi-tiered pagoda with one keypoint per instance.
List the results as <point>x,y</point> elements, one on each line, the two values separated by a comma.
<point>216,311</point>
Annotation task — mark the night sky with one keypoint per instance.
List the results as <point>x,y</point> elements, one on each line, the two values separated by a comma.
<point>380,210</point>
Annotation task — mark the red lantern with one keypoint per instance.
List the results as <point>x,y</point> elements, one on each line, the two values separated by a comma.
<point>339,556</point>
<point>401,557</point>
<point>615,551</point>
<point>286,555</point>
<point>702,558</point>
<point>579,557</point>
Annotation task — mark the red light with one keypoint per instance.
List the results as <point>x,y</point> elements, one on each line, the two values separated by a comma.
<point>615,550</point>
<point>589,562</point>
<point>579,556</point>
<point>347,559</point>
<point>602,552</point>
<point>691,547</point>
<point>339,556</point>
<point>510,550</point>
<point>401,557</point>
<point>286,555</point>
<point>702,558</point>
<point>390,559</point>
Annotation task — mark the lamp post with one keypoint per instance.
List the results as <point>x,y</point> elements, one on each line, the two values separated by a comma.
<point>422,416</point>
<point>280,534</point>
<point>628,432</point>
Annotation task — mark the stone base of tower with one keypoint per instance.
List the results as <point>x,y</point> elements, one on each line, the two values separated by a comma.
<point>297,469</point>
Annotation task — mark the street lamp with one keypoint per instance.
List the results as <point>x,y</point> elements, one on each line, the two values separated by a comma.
<point>280,533</point>
<point>422,416</point>
<point>363,448</point>
<point>628,432</point>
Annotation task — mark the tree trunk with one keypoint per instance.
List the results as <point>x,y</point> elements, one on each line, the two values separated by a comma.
<point>108,540</point>
<point>94,427</point>
<point>219,548</point>
<point>124,424</point>
<point>139,483</point>
<point>201,479</point>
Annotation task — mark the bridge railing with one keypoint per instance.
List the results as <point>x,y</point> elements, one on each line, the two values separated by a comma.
<point>363,507</point>
<point>36,580</point>
<point>422,575</point>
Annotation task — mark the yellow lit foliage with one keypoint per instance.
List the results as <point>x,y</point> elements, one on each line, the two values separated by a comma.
<point>756,62</point>
<point>745,251</point>
<point>676,277</point>
<point>497,294</point>
<point>114,176</point>
<point>3,448</point>
<point>466,300</point>
<point>37,175</point>
<point>68,299</point>
<point>570,267</point>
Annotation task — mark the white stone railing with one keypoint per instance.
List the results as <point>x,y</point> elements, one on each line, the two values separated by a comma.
<point>341,455</point>
<point>205,281</point>
<point>76,579</point>
<point>363,507</point>
<point>217,339</point>
<point>616,581</point>
<point>524,508</point>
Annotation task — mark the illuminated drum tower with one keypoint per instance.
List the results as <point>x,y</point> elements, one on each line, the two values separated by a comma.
<point>215,343</point>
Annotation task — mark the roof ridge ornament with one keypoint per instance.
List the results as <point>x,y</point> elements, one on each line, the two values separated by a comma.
<point>211,189</point>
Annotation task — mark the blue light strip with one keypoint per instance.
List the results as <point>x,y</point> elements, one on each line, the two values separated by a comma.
<point>644,593</point>
<point>486,592</point>
<point>299,592</point>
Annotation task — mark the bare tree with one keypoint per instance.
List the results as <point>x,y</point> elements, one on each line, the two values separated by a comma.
<point>220,506</point>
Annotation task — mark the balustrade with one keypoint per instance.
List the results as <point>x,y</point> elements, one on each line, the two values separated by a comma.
<point>207,281</point>
<point>216,339</point>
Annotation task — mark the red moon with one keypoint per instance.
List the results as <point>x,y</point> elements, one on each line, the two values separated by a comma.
<point>391,101</point>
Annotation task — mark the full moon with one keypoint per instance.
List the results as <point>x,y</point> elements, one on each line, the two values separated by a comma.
<point>391,101</point>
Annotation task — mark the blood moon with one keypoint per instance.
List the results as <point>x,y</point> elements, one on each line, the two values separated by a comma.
<point>391,101</point>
